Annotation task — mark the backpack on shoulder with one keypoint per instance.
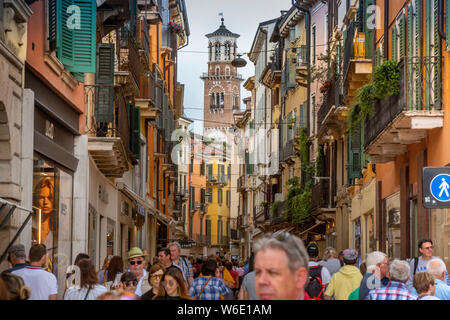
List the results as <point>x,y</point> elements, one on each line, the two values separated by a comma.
<point>315,287</point>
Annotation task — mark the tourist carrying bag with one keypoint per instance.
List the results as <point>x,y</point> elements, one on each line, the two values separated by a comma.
<point>204,286</point>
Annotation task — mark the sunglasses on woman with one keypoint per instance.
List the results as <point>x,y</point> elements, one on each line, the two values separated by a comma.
<point>134,262</point>
<point>169,283</point>
<point>131,283</point>
<point>156,276</point>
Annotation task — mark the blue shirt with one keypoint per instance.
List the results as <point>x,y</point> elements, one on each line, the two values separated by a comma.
<point>213,290</point>
<point>442,290</point>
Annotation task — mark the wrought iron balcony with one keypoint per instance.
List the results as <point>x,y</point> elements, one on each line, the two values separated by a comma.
<point>219,179</point>
<point>262,215</point>
<point>203,208</point>
<point>289,153</point>
<point>406,118</point>
<point>321,195</point>
<point>242,183</point>
<point>129,63</point>
<point>279,213</point>
<point>110,135</point>
<point>200,238</point>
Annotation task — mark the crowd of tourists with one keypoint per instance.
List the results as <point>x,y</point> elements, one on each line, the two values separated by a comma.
<point>280,268</point>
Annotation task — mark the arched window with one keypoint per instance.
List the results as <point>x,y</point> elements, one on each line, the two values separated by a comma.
<point>217,51</point>
<point>227,51</point>
<point>217,71</point>
<point>227,71</point>
<point>222,100</point>
<point>217,99</point>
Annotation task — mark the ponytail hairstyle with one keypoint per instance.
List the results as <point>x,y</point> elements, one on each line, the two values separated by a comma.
<point>16,287</point>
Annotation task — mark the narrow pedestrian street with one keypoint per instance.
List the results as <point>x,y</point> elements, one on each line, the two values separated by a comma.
<point>238,150</point>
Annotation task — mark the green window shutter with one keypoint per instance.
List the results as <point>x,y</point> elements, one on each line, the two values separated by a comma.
<point>79,76</point>
<point>303,115</point>
<point>447,22</point>
<point>208,231</point>
<point>394,44</point>
<point>76,48</point>
<point>360,16</point>
<point>133,18</point>
<point>202,196</point>
<point>354,157</point>
<point>410,30</point>
<point>85,38</point>
<point>135,143</point>
<point>402,27</point>
<point>64,36</point>
<point>368,34</point>
<point>104,95</point>
<point>52,22</point>
<point>437,53</point>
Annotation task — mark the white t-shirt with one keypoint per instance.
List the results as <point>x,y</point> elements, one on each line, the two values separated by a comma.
<point>74,293</point>
<point>324,274</point>
<point>42,283</point>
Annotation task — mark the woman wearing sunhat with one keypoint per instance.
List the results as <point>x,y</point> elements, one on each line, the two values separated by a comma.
<point>136,264</point>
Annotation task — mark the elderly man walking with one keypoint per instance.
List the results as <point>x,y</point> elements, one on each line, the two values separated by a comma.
<point>396,288</point>
<point>376,275</point>
<point>136,264</point>
<point>17,257</point>
<point>281,267</point>
<point>186,266</point>
<point>438,270</point>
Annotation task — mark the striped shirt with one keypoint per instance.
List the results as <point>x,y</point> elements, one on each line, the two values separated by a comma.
<point>393,291</point>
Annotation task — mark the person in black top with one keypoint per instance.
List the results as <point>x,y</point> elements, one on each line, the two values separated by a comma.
<point>174,285</point>
<point>155,275</point>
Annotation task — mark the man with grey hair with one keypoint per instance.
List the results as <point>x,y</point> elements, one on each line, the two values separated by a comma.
<point>17,257</point>
<point>438,269</point>
<point>330,260</point>
<point>376,275</point>
<point>184,264</point>
<point>396,289</point>
<point>281,267</point>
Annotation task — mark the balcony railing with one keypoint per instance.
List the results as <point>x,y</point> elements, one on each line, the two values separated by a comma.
<point>129,56</point>
<point>302,56</point>
<point>203,207</point>
<point>242,221</point>
<point>145,39</point>
<point>420,90</point>
<point>278,215</point>
<point>321,194</point>
<point>289,150</point>
<point>328,101</point>
<point>262,215</point>
<point>348,47</point>
<point>216,178</point>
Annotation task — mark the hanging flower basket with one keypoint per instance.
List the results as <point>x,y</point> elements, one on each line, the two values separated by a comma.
<point>174,27</point>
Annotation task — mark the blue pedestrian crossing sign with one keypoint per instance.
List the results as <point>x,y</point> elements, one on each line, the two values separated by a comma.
<point>436,187</point>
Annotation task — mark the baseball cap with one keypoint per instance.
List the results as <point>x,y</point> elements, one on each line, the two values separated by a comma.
<point>17,251</point>
<point>350,254</point>
<point>313,249</point>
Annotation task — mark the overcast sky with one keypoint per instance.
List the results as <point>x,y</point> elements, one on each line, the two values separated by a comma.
<point>241,17</point>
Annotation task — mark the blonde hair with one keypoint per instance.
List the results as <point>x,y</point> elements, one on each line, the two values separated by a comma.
<point>422,281</point>
<point>16,287</point>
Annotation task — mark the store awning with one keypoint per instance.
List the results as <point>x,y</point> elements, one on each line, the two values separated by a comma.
<point>141,204</point>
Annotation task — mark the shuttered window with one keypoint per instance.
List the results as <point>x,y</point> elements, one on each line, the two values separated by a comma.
<point>104,77</point>
<point>394,43</point>
<point>72,33</point>
<point>135,125</point>
<point>219,196</point>
<point>354,156</point>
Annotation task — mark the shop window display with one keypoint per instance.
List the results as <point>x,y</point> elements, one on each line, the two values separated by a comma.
<point>52,204</point>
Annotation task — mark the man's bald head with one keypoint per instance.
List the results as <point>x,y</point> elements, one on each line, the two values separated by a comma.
<point>437,268</point>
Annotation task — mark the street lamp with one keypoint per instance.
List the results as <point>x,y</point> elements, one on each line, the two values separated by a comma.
<point>239,62</point>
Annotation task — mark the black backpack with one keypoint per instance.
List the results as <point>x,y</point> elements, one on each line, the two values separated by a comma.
<point>315,287</point>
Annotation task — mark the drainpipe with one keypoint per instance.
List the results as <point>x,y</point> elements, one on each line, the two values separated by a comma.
<point>308,44</point>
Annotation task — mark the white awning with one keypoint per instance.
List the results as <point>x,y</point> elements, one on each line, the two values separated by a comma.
<point>146,203</point>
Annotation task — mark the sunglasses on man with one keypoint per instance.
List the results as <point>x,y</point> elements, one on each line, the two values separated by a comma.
<point>139,262</point>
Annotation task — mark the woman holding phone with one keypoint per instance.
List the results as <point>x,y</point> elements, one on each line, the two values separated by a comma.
<point>114,272</point>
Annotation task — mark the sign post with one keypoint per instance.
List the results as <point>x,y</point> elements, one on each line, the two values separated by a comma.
<point>436,187</point>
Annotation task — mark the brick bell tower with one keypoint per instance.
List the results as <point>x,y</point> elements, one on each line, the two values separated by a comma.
<point>222,83</point>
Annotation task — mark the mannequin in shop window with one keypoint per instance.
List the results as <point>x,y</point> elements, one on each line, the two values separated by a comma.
<point>45,194</point>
